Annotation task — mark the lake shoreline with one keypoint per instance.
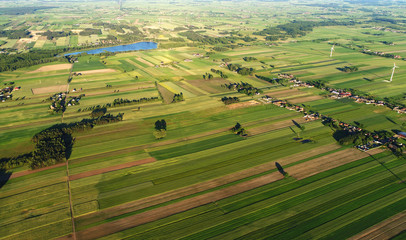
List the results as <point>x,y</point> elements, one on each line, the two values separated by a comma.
<point>119,48</point>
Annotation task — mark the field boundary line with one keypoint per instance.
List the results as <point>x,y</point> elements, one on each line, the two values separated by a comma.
<point>193,189</point>
<point>111,168</point>
<point>70,201</point>
<point>375,229</point>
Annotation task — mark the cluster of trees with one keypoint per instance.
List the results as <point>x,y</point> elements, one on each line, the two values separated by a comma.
<point>197,37</point>
<point>119,102</point>
<point>240,70</point>
<point>51,35</point>
<point>178,97</point>
<point>222,75</point>
<point>15,34</point>
<point>348,69</point>
<point>10,62</point>
<point>272,80</point>
<point>21,10</point>
<point>90,31</point>
<point>249,59</point>
<point>317,83</point>
<point>160,129</point>
<point>208,76</point>
<point>230,100</point>
<point>239,130</point>
<point>297,28</point>
<point>54,144</point>
<point>243,87</point>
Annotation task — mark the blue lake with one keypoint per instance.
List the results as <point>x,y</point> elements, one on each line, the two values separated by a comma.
<point>121,48</point>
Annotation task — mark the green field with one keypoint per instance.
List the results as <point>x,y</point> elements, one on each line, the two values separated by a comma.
<point>201,180</point>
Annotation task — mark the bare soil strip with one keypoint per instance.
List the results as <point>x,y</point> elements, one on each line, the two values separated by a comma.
<point>304,99</point>
<point>283,93</point>
<point>108,70</point>
<point>165,211</point>
<point>385,229</point>
<point>26,172</point>
<point>110,169</point>
<point>51,89</point>
<point>52,68</point>
<point>196,188</point>
<point>165,93</point>
<point>327,162</point>
<point>210,86</point>
<point>242,104</point>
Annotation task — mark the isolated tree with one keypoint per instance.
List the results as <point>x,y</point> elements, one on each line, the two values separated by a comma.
<point>160,125</point>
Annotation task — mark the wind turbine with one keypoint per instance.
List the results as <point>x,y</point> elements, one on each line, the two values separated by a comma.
<point>332,50</point>
<point>393,71</point>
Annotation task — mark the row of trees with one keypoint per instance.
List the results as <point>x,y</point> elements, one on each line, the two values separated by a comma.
<point>178,97</point>
<point>120,102</point>
<point>348,69</point>
<point>222,75</point>
<point>207,76</point>
<point>230,100</point>
<point>249,59</point>
<point>243,87</point>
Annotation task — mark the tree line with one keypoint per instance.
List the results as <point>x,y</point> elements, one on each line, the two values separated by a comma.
<point>120,102</point>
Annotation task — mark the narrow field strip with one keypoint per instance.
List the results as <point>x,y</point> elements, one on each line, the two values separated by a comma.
<point>165,211</point>
<point>292,196</point>
<point>110,169</point>
<point>304,99</point>
<point>200,187</point>
<point>328,162</point>
<point>384,230</point>
<point>274,126</point>
<point>26,172</point>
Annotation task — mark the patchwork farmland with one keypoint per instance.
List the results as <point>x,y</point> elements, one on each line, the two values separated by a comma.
<point>227,134</point>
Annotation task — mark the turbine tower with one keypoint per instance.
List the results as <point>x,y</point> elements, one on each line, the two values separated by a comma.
<point>393,71</point>
<point>332,50</point>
